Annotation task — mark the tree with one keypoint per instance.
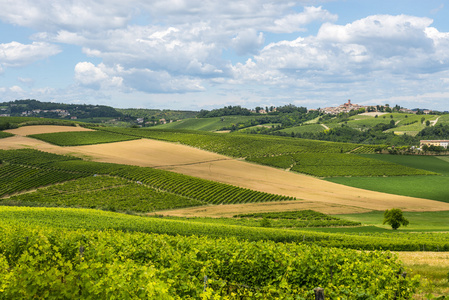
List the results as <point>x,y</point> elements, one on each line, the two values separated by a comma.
<point>394,218</point>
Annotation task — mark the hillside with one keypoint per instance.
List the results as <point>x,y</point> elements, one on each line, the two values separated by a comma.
<point>206,165</point>
<point>45,182</point>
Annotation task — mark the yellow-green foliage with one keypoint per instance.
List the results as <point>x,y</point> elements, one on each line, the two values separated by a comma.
<point>37,262</point>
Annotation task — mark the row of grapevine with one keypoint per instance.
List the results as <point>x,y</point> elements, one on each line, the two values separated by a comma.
<point>5,134</point>
<point>77,138</point>
<point>317,158</point>
<point>238,145</point>
<point>338,164</point>
<point>101,220</point>
<point>325,221</point>
<point>103,192</point>
<point>16,178</point>
<point>193,189</point>
<point>297,214</point>
<point>38,262</point>
<point>33,157</point>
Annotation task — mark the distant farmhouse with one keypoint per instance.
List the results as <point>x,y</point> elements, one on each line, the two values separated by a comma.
<point>436,143</point>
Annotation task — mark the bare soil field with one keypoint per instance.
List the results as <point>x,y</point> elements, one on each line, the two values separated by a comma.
<point>28,130</point>
<point>321,195</point>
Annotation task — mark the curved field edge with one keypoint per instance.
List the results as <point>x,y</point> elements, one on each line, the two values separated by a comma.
<point>311,157</point>
<point>426,187</point>
<point>246,175</point>
<point>77,138</point>
<point>50,262</point>
<point>71,218</point>
<point>43,163</point>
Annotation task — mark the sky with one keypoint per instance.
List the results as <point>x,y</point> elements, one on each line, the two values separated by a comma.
<point>205,54</point>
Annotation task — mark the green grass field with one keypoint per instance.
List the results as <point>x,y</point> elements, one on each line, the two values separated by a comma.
<point>427,187</point>
<point>419,221</point>
<point>437,164</point>
<point>208,124</point>
<point>314,128</point>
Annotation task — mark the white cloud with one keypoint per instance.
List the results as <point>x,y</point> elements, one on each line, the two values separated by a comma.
<point>385,44</point>
<point>248,42</point>
<point>96,77</point>
<point>296,22</point>
<point>179,46</point>
<point>15,54</point>
<point>67,14</point>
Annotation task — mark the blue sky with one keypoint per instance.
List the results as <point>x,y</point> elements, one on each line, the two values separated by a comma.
<point>204,54</point>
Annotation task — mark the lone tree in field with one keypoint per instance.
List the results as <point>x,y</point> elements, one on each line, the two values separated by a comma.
<point>395,218</point>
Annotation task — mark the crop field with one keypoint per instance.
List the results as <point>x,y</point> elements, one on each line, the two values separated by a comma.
<point>5,134</point>
<point>81,138</point>
<point>40,168</point>
<point>305,156</point>
<point>208,124</point>
<point>237,145</point>
<point>61,261</point>
<point>428,187</point>
<point>437,164</point>
<point>51,245</point>
<point>39,129</point>
<point>73,218</point>
<point>336,164</point>
<point>102,192</point>
<point>291,220</point>
<point>187,160</point>
<point>304,128</point>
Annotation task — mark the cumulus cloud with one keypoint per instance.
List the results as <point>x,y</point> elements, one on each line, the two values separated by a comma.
<point>248,42</point>
<point>178,46</point>
<point>296,22</point>
<point>140,79</point>
<point>15,54</point>
<point>96,77</point>
<point>374,44</point>
<point>67,14</point>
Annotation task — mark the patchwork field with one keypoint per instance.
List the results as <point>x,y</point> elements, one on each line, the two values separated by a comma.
<point>82,238</point>
<point>203,164</point>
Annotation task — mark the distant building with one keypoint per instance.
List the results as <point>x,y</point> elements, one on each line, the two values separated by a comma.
<point>344,108</point>
<point>437,143</point>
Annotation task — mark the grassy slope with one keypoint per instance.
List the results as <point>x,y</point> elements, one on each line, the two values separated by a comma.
<point>428,187</point>
<point>305,128</point>
<point>419,221</point>
<point>208,124</point>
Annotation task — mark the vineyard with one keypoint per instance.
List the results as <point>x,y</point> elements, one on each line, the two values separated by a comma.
<point>153,189</point>
<point>290,220</point>
<point>337,164</point>
<point>61,263</point>
<point>79,138</point>
<point>5,134</point>
<point>74,219</point>
<point>317,158</point>
<point>103,192</point>
<point>61,235</point>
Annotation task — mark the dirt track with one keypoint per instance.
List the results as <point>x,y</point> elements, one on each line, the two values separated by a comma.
<point>317,194</point>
